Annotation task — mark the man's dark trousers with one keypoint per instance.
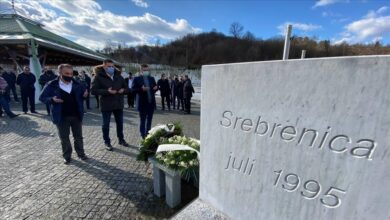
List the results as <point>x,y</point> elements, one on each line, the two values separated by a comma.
<point>87,101</point>
<point>5,105</point>
<point>174,98</point>
<point>187,103</point>
<point>166,98</point>
<point>28,94</point>
<point>130,99</point>
<point>15,94</point>
<point>118,115</point>
<point>74,123</point>
<point>146,117</point>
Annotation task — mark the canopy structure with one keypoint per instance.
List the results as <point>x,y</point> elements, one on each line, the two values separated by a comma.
<point>25,42</point>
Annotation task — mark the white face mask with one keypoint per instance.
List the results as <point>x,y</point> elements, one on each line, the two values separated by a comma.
<point>146,73</point>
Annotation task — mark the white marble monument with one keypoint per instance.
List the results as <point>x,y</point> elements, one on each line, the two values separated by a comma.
<point>297,139</point>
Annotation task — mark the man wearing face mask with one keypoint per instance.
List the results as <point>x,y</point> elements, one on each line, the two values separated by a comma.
<point>144,86</point>
<point>65,97</point>
<point>111,87</point>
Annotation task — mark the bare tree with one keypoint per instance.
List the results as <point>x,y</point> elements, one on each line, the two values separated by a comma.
<point>108,47</point>
<point>236,29</point>
<point>249,36</point>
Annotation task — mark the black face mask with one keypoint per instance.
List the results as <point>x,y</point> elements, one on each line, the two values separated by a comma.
<point>67,78</point>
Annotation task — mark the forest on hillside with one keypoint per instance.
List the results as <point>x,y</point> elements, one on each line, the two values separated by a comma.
<point>194,50</point>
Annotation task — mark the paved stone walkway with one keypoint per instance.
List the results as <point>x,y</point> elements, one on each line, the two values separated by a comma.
<point>35,184</point>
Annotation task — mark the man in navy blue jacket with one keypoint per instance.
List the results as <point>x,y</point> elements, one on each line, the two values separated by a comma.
<point>26,81</point>
<point>65,96</point>
<point>144,86</point>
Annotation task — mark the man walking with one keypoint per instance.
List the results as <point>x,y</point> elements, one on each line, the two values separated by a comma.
<point>111,87</point>
<point>4,103</point>
<point>130,94</point>
<point>165,91</point>
<point>145,87</point>
<point>10,78</point>
<point>188,89</point>
<point>65,96</point>
<point>47,76</point>
<point>26,82</point>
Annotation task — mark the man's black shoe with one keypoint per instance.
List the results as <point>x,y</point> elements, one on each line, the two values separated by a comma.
<point>83,157</point>
<point>25,112</point>
<point>14,116</point>
<point>66,161</point>
<point>124,143</point>
<point>34,112</point>
<point>109,147</point>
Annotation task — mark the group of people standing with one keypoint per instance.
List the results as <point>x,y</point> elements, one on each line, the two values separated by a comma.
<point>8,82</point>
<point>65,97</point>
<point>65,94</point>
<point>176,92</point>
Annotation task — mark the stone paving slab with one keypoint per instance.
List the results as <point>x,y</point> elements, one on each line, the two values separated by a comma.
<point>35,184</point>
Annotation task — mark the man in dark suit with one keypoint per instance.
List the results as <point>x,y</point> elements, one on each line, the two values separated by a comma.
<point>26,81</point>
<point>165,91</point>
<point>145,87</point>
<point>84,79</point>
<point>47,76</point>
<point>130,94</point>
<point>188,90</point>
<point>175,91</point>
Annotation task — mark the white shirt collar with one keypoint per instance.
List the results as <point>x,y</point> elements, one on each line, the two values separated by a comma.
<point>66,87</point>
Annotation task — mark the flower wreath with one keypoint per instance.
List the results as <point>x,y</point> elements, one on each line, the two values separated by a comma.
<point>153,139</point>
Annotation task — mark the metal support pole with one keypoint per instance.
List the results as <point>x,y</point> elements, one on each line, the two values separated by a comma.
<point>287,40</point>
<point>35,66</point>
<point>303,55</point>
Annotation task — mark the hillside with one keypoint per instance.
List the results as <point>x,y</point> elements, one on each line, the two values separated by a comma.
<point>192,51</point>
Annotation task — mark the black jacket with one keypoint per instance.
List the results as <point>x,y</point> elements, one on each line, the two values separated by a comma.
<point>100,85</point>
<point>180,86</point>
<point>174,87</point>
<point>88,82</point>
<point>26,81</point>
<point>143,102</point>
<point>163,86</point>
<point>188,89</point>
<point>46,77</point>
<point>10,78</point>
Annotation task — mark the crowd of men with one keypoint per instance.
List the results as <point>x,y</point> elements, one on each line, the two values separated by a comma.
<point>64,95</point>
